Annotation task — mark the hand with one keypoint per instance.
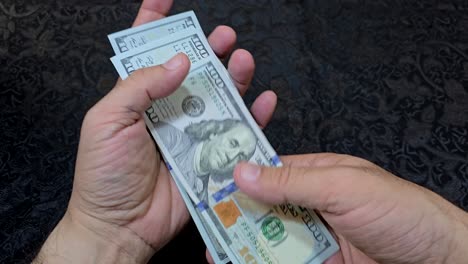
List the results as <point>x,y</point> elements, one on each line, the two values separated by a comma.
<point>125,205</point>
<point>376,216</point>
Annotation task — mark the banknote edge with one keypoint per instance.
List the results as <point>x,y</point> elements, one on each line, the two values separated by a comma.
<point>160,22</point>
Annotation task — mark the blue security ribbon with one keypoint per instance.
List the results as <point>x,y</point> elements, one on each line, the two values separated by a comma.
<point>226,191</point>
<point>275,160</point>
<point>202,206</point>
<point>168,166</point>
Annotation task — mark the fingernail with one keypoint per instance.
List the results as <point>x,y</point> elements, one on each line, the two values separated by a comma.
<point>250,172</point>
<point>173,63</point>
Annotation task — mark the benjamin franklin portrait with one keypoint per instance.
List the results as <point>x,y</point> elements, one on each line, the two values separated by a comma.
<point>207,152</point>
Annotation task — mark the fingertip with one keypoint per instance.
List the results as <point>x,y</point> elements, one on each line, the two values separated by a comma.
<point>243,59</point>
<point>151,83</point>
<point>227,31</point>
<point>222,40</point>
<point>241,67</point>
<point>178,62</point>
<point>246,176</point>
<point>174,72</point>
<point>186,63</point>
<point>237,171</point>
<point>161,7</point>
<point>152,10</point>
<point>271,95</point>
<point>254,181</point>
<point>269,100</point>
<point>264,107</point>
<point>180,67</point>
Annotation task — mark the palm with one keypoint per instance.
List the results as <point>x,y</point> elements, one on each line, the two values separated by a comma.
<point>156,195</point>
<point>120,166</point>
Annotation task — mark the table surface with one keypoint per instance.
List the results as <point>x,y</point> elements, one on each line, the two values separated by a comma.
<point>384,80</point>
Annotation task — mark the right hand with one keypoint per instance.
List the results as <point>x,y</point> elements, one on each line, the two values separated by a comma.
<point>376,216</point>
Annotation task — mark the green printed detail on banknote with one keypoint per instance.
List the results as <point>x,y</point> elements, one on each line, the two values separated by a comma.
<point>273,229</point>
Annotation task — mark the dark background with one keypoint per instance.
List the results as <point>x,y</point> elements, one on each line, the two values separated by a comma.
<point>386,80</point>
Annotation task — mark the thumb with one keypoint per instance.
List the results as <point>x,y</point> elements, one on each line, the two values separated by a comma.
<point>136,93</point>
<point>333,189</point>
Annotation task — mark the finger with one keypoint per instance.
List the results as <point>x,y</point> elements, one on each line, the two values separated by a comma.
<point>323,160</point>
<point>136,93</point>
<point>348,252</point>
<point>222,40</point>
<point>328,189</point>
<point>336,258</point>
<point>152,10</point>
<point>209,258</point>
<point>241,67</point>
<point>263,107</point>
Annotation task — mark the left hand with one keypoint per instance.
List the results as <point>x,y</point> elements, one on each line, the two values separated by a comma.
<point>376,216</point>
<point>124,201</point>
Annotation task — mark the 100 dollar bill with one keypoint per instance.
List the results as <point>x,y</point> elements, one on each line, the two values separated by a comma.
<point>127,40</point>
<point>160,51</point>
<point>214,247</point>
<point>203,130</point>
<point>132,38</point>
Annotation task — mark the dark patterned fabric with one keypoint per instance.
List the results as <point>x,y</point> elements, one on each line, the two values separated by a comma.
<point>386,80</point>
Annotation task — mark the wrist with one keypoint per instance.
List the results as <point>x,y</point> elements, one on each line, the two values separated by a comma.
<point>77,241</point>
<point>450,228</point>
<point>457,250</point>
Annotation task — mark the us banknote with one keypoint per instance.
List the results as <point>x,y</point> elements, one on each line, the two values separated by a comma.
<point>132,38</point>
<point>135,37</point>
<point>203,130</point>
<point>211,242</point>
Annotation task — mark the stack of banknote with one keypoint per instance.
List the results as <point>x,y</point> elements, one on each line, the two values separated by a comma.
<point>203,130</point>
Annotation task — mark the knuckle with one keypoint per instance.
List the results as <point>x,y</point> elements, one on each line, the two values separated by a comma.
<point>136,77</point>
<point>283,179</point>
<point>329,200</point>
<point>368,169</point>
